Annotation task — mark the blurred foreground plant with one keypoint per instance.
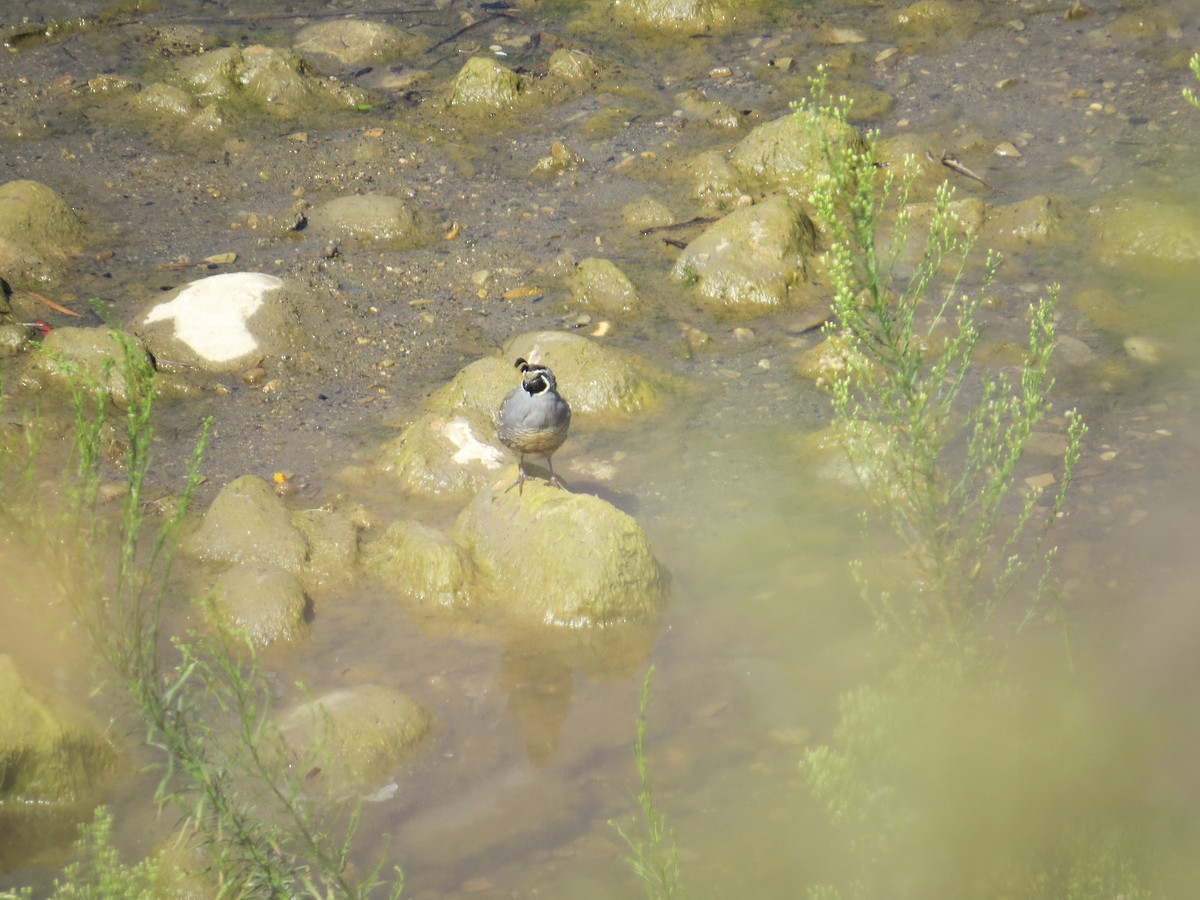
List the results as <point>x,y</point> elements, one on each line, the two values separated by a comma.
<point>939,466</point>
<point>946,778</point>
<point>653,855</point>
<point>209,710</point>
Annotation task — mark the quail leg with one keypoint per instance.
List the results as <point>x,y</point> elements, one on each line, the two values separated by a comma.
<point>519,484</point>
<point>554,478</point>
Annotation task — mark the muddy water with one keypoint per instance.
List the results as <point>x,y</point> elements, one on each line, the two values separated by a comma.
<point>765,629</point>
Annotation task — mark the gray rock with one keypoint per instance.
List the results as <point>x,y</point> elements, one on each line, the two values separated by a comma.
<point>422,564</point>
<point>753,259</point>
<point>262,601</point>
<point>373,218</point>
<point>38,230</point>
<point>247,523</point>
<point>546,557</point>
<point>359,733</point>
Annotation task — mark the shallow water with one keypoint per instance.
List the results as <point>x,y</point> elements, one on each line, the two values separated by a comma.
<point>765,629</point>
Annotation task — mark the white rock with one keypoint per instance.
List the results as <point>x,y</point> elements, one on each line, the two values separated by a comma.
<point>210,315</point>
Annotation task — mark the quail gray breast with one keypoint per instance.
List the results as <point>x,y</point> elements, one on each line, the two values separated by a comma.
<point>533,419</point>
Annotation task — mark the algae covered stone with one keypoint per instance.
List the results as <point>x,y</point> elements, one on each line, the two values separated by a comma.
<point>248,523</point>
<point>785,153</point>
<point>753,259</point>
<point>422,564</point>
<point>263,602</point>
<point>600,284</point>
<point>547,557</point>
<point>484,82</point>
<point>46,753</point>
<point>38,229</point>
<point>596,379</point>
<point>1146,230</point>
<point>450,454</point>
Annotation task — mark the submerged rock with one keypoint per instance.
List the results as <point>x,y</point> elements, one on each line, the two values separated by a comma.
<point>263,602</point>
<point>89,358</point>
<point>672,15</point>
<point>361,733</point>
<point>1147,230</point>
<point>1039,221</point>
<point>549,557</point>
<point>753,259</point>
<point>38,230</point>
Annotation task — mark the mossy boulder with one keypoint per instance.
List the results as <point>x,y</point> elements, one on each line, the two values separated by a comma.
<point>248,523</point>
<point>38,230</point>
<point>422,565</point>
<point>445,454</point>
<point>754,259</point>
<point>547,557</point>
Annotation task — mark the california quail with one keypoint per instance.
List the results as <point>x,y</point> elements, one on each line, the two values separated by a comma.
<point>533,419</point>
